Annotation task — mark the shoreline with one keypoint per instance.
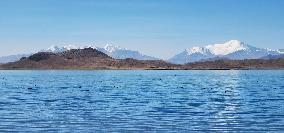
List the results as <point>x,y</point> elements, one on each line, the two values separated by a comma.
<point>213,69</point>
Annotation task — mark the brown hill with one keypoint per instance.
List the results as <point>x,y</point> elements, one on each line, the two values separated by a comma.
<point>87,58</point>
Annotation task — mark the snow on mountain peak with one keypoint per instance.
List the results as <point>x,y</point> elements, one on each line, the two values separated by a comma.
<point>57,49</point>
<point>219,49</point>
<point>89,46</point>
<point>69,47</point>
<point>233,49</point>
<point>53,48</point>
<point>200,50</point>
<point>227,47</point>
<point>281,51</point>
<point>110,48</point>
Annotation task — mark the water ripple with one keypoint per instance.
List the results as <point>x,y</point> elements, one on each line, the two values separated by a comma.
<point>141,101</point>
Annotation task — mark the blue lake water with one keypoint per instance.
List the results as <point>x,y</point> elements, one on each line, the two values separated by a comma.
<point>142,101</point>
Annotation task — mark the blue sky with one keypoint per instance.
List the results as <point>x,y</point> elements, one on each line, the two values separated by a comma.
<point>159,28</point>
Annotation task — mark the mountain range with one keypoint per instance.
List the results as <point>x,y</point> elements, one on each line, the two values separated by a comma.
<point>90,58</point>
<point>231,50</point>
<point>12,58</point>
<point>116,52</point>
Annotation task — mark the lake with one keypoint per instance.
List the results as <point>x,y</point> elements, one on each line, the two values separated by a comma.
<point>142,101</point>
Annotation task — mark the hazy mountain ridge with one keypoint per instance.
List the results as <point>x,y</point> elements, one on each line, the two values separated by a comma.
<point>12,58</point>
<point>281,56</point>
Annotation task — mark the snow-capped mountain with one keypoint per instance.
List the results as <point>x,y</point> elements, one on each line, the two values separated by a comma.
<point>113,51</point>
<point>233,49</point>
<point>116,52</point>
<point>56,49</point>
<point>123,53</point>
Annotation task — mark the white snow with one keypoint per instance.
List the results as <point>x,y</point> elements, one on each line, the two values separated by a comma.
<point>193,50</point>
<point>219,49</point>
<point>226,48</point>
<point>110,48</point>
<point>56,49</point>
<point>233,49</point>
